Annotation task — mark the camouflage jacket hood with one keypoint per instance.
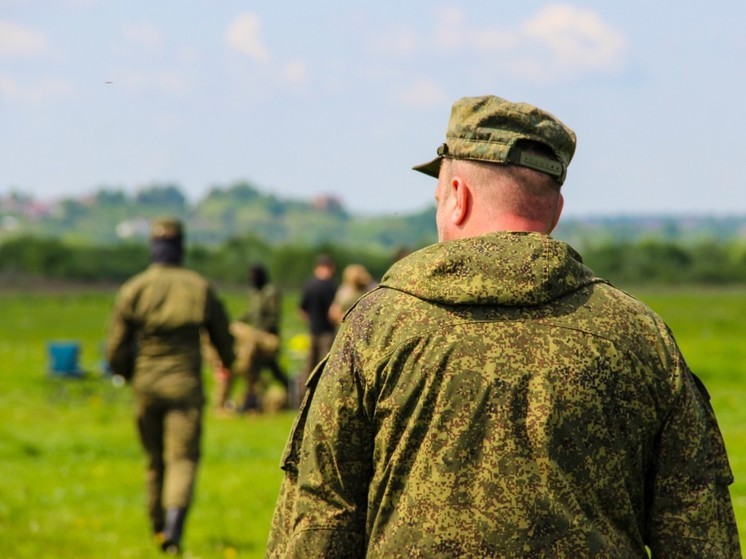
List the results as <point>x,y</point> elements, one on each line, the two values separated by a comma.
<point>506,269</point>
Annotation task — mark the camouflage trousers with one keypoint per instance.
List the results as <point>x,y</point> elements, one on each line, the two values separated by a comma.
<point>170,434</point>
<point>255,350</point>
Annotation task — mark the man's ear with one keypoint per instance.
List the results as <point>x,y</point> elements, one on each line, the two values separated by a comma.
<point>461,199</point>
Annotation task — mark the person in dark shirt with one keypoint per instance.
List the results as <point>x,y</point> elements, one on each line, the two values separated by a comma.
<point>316,298</point>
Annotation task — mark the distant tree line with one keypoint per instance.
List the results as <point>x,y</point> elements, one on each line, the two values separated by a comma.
<point>651,261</point>
<point>631,263</point>
<point>289,264</point>
<point>113,216</point>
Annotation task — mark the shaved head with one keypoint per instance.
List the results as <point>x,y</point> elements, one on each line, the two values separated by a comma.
<point>509,190</point>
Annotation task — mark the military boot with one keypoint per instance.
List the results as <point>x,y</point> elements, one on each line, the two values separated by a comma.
<point>173,531</point>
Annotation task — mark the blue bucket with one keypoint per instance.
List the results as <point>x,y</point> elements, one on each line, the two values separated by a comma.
<point>63,358</point>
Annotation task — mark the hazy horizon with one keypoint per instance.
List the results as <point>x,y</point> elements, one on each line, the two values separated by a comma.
<point>334,98</point>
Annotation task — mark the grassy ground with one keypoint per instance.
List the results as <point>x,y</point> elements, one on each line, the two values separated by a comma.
<point>71,472</point>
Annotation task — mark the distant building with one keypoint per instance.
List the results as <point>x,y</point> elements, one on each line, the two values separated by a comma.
<point>328,203</point>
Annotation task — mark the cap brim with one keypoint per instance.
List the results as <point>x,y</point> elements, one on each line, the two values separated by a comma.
<point>431,168</point>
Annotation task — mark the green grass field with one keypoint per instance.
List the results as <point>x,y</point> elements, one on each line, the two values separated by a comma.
<point>71,471</point>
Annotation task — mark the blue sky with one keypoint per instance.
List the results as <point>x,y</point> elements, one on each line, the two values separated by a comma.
<point>333,97</point>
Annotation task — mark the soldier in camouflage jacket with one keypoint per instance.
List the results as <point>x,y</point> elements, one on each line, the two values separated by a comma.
<point>492,398</point>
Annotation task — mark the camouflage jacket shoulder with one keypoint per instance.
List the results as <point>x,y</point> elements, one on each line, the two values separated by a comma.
<point>264,308</point>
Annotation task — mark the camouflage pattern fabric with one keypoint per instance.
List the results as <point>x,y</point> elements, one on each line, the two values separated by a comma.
<point>263,311</point>
<point>488,128</point>
<point>347,296</point>
<point>492,398</point>
<point>257,340</point>
<point>252,346</point>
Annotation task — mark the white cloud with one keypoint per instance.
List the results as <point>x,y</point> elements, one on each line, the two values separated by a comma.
<point>17,40</point>
<point>559,40</point>
<point>577,39</point>
<point>422,94</point>
<point>244,36</point>
<point>296,72</point>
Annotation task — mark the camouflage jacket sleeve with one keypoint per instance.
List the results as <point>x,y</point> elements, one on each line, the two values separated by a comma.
<point>691,514</point>
<point>120,349</point>
<point>272,305</point>
<point>266,315</point>
<point>217,325</point>
<point>321,511</point>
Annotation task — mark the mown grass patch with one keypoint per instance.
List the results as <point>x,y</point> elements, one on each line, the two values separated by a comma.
<point>71,471</point>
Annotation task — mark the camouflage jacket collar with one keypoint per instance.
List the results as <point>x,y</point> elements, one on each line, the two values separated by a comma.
<point>508,269</point>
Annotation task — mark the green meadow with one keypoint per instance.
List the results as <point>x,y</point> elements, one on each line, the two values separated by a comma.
<point>71,470</point>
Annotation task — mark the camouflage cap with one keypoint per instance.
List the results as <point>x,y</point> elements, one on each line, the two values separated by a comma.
<point>492,129</point>
<point>166,227</point>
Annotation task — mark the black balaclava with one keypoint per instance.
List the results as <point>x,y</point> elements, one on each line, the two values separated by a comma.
<point>167,250</point>
<point>258,276</point>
